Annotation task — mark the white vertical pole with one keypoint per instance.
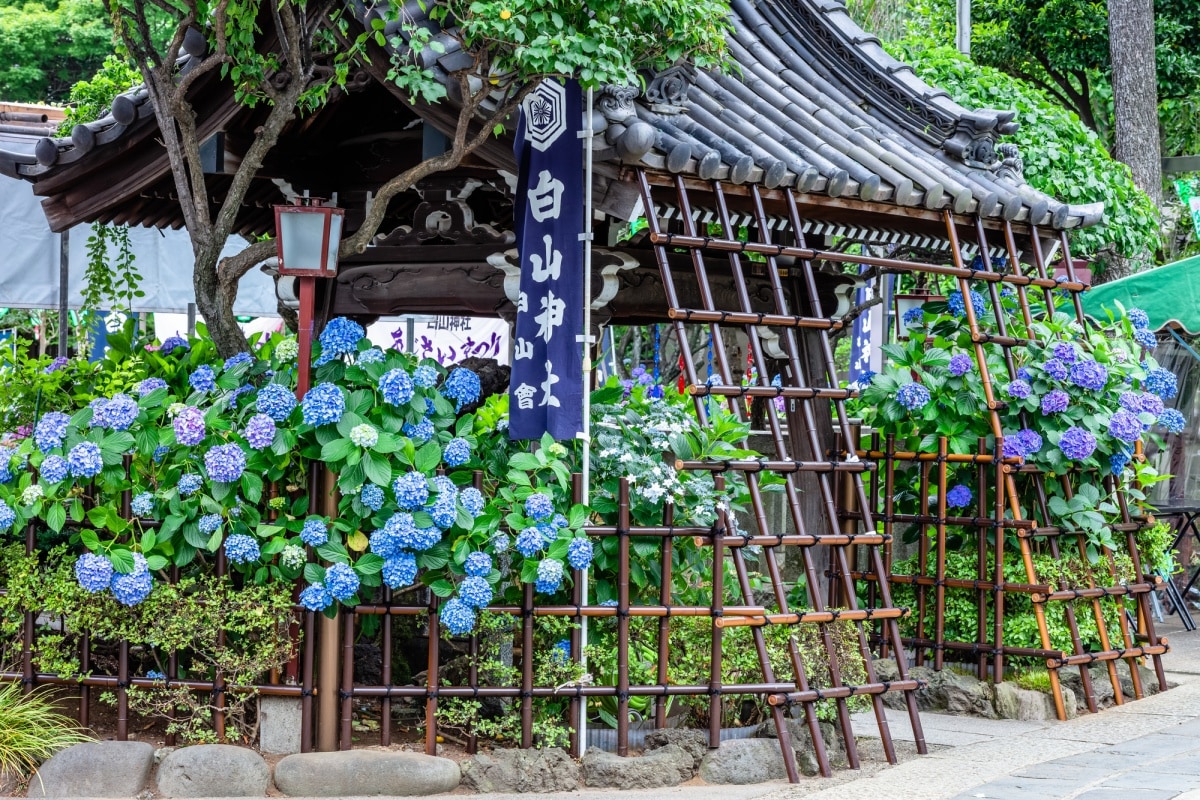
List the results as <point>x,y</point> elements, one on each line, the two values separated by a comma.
<point>962,27</point>
<point>586,434</point>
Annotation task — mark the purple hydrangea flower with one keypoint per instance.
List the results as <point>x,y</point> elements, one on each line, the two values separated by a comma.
<point>341,581</point>
<point>241,549</point>
<point>94,572</point>
<point>1057,369</point>
<point>1018,389</point>
<point>189,426</point>
<point>276,401</point>
<point>457,617</point>
<point>85,460</point>
<point>149,385</point>
<point>1089,374</point>
<point>1024,374</point>
<point>315,597</point>
<point>1141,403</point>
<point>396,387</point>
<point>1024,442</point>
<point>960,364</point>
<point>225,463</point>
<point>1125,426</point>
<point>55,365</point>
<point>1076,443</point>
<point>959,497</point>
<point>172,343</point>
<point>323,404</point>
<point>1064,352</point>
<point>260,431</point>
<point>50,431</point>
<point>203,379</point>
<point>461,386</point>
<point>399,570</point>
<point>475,592</point>
<point>549,575</point>
<point>1172,421</point>
<point>579,553</point>
<point>54,469</point>
<point>1055,401</point>
<point>912,396</point>
<point>478,564</point>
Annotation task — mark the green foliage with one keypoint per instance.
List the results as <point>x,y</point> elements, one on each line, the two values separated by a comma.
<point>110,284</point>
<point>34,387</point>
<point>1154,546</point>
<point>31,729</point>
<point>90,99</point>
<point>1062,157</point>
<point>46,46</point>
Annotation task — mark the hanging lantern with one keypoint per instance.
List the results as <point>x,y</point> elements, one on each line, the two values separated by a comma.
<point>905,302</point>
<point>308,237</point>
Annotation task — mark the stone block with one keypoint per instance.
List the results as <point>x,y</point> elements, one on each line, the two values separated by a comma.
<point>1013,702</point>
<point>744,761</point>
<point>694,742</point>
<point>95,769</point>
<point>279,725</point>
<point>511,770</point>
<point>365,773</point>
<point>213,770</point>
<point>667,766</point>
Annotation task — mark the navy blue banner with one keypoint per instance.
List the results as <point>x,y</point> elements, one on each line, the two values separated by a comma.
<point>546,387</point>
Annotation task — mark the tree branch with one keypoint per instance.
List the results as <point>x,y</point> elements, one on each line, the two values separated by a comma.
<point>232,268</point>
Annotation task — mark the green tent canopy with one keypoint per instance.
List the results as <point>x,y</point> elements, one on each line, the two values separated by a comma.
<point>1170,296</point>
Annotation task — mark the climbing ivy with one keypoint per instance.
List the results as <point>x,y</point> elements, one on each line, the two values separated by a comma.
<point>115,284</point>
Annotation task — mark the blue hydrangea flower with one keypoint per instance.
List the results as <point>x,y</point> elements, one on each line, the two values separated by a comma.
<point>399,570</point>
<point>472,500</point>
<point>238,392</point>
<point>172,343</point>
<point>1018,389</point>
<point>579,553</point>
<point>371,356</point>
<point>7,516</point>
<point>143,504</point>
<point>155,675</point>
<point>315,597</point>
<point>560,521</point>
<point>1057,369</point>
<point>1064,352</point>
<point>1055,402</point>
<point>386,542</point>
<point>1141,403</point>
<point>364,436</point>
<point>93,572</point>
<point>189,426</point>
<point>276,401</point>
<point>475,592</point>
<point>411,490</point>
<point>912,396</point>
<point>6,457</point>
<point>425,376</point>
<point>456,453</point>
<point>478,564</point>
<point>1139,318</point>
<point>421,539</point>
<point>50,430</point>
<point>203,379</point>
<point>1145,338</point>
<point>1172,421</point>
<point>396,387</point>
<point>55,365</point>
<point>529,542</point>
<point>340,337</point>
<point>149,385</point>
<point>864,379</point>
<point>444,513</point>
<point>1024,374</point>
<point>1077,444</point>
<point>315,531</point>
<point>241,549</point>
<point>500,542</point>
<point>85,460</point>
<point>323,404</point>
<point>420,433</point>
<point>1161,382</point>
<point>539,506</point>
<point>561,652</point>
<point>238,359</point>
<point>1089,374</point>
<point>54,469</point>
<point>341,581</point>
<point>260,431</point>
<point>959,497</point>
<point>1024,442</point>
<point>549,575</point>
<point>1125,426</point>
<point>959,308</point>
<point>189,484</point>
<point>371,496</point>
<point>960,364</point>
<point>1117,462</point>
<point>457,617</point>
<point>160,453</point>
<point>914,316</point>
<point>225,463</point>
<point>133,587</point>
<point>548,531</point>
<point>209,523</point>
<point>461,386</point>
<point>116,413</point>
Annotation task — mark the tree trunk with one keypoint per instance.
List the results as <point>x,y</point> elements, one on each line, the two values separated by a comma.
<point>216,305</point>
<point>1135,92</point>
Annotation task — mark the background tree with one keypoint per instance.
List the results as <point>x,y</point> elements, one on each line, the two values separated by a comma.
<point>45,47</point>
<point>1134,90</point>
<point>515,45</point>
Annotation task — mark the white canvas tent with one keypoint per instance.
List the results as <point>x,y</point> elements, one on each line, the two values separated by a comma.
<point>29,262</point>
